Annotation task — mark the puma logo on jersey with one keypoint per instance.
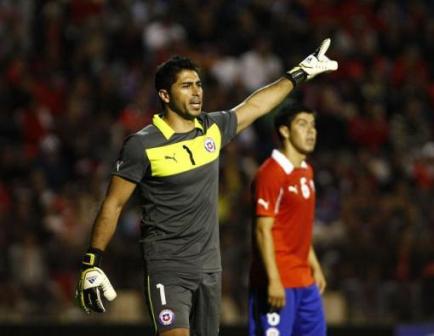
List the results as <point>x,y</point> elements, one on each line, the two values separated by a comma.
<point>264,203</point>
<point>168,157</point>
<point>293,189</point>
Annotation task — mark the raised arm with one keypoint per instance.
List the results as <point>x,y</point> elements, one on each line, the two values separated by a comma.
<point>265,99</point>
<point>261,102</point>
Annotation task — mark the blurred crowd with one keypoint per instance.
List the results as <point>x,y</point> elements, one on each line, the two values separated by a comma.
<point>76,76</point>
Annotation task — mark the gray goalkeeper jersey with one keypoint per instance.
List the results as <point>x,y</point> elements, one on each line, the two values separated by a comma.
<point>177,177</point>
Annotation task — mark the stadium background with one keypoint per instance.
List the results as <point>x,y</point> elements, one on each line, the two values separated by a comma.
<point>77,77</point>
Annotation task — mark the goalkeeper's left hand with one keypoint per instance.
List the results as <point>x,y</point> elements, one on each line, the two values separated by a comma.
<point>92,281</point>
<point>312,65</point>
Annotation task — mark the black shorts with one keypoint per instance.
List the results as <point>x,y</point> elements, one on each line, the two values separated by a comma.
<point>184,300</point>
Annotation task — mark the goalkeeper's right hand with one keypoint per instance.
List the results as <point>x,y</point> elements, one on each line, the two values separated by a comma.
<point>312,65</point>
<point>92,281</point>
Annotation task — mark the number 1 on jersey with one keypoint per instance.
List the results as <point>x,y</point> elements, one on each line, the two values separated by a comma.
<point>162,293</point>
<point>190,154</point>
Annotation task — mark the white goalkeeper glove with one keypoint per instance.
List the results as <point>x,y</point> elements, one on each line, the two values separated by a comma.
<point>92,281</point>
<point>312,65</point>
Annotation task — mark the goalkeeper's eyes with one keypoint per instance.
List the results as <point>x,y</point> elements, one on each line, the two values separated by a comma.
<point>190,84</point>
<point>302,123</point>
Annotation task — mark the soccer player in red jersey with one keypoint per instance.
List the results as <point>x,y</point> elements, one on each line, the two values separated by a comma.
<point>286,279</point>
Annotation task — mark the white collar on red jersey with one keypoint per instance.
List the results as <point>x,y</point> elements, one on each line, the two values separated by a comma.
<point>284,162</point>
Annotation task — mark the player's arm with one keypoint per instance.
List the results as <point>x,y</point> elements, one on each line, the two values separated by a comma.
<point>264,240</point>
<point>93,280</point>
<point>261,102</point>
<point>265,99</point>
<point>118,193</point>
<point>317,272</point>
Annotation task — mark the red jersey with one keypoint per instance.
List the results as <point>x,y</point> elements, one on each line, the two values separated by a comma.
<point>287,194</point>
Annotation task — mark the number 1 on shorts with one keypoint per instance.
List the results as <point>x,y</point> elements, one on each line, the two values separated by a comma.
<point>162,294</point>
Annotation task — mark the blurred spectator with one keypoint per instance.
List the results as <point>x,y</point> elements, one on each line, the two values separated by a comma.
<point>259,65</point>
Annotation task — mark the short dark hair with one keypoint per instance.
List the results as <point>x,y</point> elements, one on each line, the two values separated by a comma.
<point>287,114</point>
<point>166,72</point>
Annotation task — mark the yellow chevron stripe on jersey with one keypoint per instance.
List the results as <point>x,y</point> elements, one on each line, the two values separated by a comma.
<point>185,155</point>
<point>166,129</point>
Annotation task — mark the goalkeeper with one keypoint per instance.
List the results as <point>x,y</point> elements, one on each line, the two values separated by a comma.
<point>174,164</point>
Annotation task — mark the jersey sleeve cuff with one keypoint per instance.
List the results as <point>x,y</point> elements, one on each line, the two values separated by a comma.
<point>126,177</point>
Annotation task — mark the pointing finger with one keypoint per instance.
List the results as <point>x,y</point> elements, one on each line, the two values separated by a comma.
<point>323,48</point>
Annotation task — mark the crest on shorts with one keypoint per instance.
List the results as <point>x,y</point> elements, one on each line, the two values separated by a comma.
<point>210,145</point>
<point>272,332</point>
<point>166,317</point>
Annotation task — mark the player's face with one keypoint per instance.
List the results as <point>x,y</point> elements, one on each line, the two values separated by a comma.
<point>186,94</point>
<point>303,133</point>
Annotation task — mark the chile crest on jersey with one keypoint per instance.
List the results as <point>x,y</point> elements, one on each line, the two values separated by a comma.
<point>210,145</point>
